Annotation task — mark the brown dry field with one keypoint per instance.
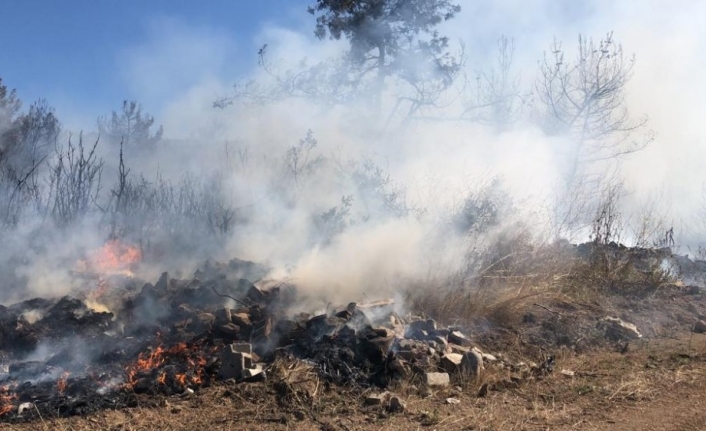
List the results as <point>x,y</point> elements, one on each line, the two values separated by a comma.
<point>658,384</point>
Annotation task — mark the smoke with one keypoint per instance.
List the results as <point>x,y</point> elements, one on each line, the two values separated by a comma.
<point>370,207</point>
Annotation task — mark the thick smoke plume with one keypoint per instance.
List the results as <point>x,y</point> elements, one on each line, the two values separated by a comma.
<point>356,200</point>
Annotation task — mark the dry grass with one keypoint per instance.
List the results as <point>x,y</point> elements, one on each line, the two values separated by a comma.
<point>641,387</point>
<point>644,389</point>
<point>501,292</point>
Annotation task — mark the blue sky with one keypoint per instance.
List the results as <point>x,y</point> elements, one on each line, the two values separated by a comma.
<point>82,55</point>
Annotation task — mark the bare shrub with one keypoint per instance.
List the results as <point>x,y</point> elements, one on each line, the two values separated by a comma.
<point>607,223</point>
<point>75,182</point>
<point>649,225</point>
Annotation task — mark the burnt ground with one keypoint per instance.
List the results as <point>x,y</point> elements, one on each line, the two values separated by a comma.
<point>658,386</point>
<point>655,383</point>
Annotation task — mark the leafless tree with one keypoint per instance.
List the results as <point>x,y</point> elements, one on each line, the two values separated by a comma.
<point>390,41</point>
<point>584,99</point>
<point>131,127</point>
<point>25,143</point>
<point>299,160</point>
<point>607,223</point>
<point>75,182</point>
<point>582,102</point>
<point>496,98</point>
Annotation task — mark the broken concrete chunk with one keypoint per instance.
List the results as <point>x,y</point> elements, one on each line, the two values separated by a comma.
<point>241,319</point>
<point>410,350</point>
<point>176,409</point>
<point>161,285</point>
<point>408,345</point>
<point>223,316</point>
<point>451,362</point>
<point>256,295</point>
<point>250,373</point>
<point>471,363</point>
<point>374,346</point>
<point>458,349</point>
<point>700,327</point>
<point>394,323</point>
<point>378,305</point>
<point>397,404</point>
<point>617,329</point>
<point>347,312</point>
<point>201,321</point>
<point>487,357</point>
<point>440,333</point>
<point>457,337</point>
<point>234,360</point>
<point>380,332</point>
<point>398,368</point>
<point>423,325</point>
<point>242,348</point>
<point>441,343</point>
<point>416,334</point>
<point>263,329</point>
<point>247,361</point>
<point>229,330</point>
<point>322,325</point>
<point>24,407</point>
<point>437,379</point>
<point>374,399</point>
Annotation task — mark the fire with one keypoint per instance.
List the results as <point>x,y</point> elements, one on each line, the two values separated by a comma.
<point>114,257</point>
<point>6,398</point>
<point>181,378</point>
<point>61,383</point>
<point>179,353</point>
<point>154,360</point>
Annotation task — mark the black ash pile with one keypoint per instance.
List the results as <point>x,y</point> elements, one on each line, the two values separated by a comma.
<point>67,356</point>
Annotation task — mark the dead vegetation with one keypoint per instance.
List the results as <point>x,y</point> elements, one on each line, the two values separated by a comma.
<point>607,390</point>
<point>551,353</point>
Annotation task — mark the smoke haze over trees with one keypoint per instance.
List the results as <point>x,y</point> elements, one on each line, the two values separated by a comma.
<point>383,139</point>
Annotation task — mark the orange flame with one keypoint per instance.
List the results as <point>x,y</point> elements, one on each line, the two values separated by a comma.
<point>196,379</point>
<point>114,257</point>
<point>157,358</point>
<point>6,405</point>
<point>61,383</point>
<point>154,359</point>
<point>181,378</point>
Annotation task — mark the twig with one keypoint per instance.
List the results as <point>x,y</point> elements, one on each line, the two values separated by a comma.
<point>592,374</point>
<point>548,309</point>
<point>228,296</point>
<point>40,415</point>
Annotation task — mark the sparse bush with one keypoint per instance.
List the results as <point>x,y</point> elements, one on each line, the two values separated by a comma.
<point>607,223</point>
<point>25,144</point>
<point>378,195</point>
<point>299,160</point>
<point>483,208</point>
<point>335,220</point>
<point>75,182</point>
<point>130,127</point>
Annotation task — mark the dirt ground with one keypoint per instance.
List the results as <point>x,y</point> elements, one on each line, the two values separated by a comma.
<point>656,385</point>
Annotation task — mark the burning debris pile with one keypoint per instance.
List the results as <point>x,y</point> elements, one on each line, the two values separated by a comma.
<point>122,343</point>
<point>65,357</point>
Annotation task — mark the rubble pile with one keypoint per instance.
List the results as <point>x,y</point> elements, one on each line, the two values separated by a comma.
<point>176,336</point>
<point>116,345</point>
